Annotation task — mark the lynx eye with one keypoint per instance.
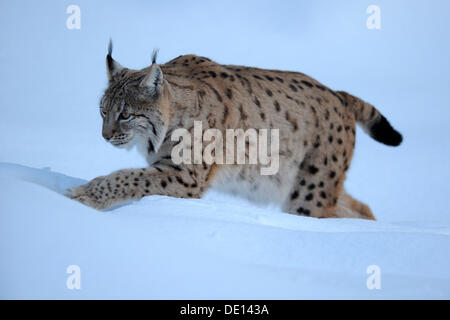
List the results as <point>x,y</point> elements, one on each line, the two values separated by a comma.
<point>102,112</point>
<point>124,116</point>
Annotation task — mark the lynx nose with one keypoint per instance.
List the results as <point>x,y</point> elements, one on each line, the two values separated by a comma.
<point>108,133</point>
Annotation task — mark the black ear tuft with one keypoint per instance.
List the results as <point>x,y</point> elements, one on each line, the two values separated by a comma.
<point>113,67</point>
<point>110,47</point>
<point>154,55</point>
<point>109,59</point>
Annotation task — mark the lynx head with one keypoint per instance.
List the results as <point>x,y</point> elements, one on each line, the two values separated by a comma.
<point>135,106</point>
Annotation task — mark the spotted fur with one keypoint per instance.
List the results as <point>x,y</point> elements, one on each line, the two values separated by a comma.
<point>317,134</point>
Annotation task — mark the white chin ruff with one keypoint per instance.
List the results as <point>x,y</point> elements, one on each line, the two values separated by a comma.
<point>141,144</point>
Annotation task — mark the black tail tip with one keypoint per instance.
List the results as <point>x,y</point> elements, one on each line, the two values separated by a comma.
<point>383,132</point>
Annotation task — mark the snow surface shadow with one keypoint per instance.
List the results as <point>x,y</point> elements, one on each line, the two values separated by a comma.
<point>44,177</point>
<point>222,207</point>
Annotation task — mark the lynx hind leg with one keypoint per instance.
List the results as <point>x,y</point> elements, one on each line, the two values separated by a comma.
<point>315,191</point>
<point>349,207</point>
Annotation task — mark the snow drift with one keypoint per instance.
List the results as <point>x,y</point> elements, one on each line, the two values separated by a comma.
<point>217,247</point>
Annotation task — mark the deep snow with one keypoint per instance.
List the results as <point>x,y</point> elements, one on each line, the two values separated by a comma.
<point>221,247</point>
<point>217,247</point>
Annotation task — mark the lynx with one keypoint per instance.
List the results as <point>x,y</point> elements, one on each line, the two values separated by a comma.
<point>316,125</point>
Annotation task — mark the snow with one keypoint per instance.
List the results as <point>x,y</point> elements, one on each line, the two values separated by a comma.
<point>217,247</point>
<point>220,246</point>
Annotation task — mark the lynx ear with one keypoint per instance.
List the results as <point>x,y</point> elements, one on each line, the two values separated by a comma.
<point>112,66</point>
<point>153,80</point>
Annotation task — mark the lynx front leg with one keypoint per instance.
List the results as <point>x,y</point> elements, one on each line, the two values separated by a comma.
<point>133,184</point>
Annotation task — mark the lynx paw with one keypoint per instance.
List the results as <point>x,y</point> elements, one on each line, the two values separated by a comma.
<point>92,194</point>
